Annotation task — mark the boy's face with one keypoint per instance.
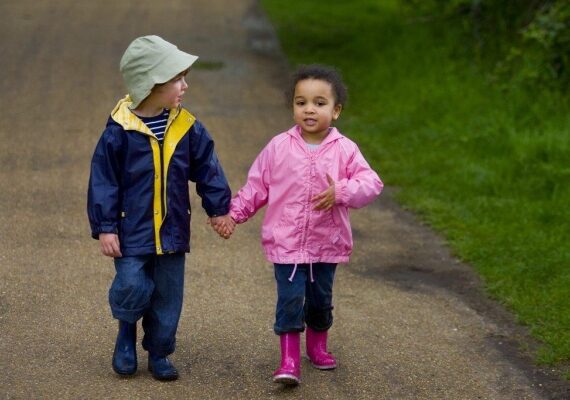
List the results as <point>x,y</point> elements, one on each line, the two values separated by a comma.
<point>169,95</point>
<point>314,107</point>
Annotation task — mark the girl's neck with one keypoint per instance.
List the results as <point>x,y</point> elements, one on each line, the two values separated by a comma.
<point>315,138</point>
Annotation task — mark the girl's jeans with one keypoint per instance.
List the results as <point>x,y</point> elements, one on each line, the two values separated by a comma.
<point>301,301</point>
<point>150,287</point>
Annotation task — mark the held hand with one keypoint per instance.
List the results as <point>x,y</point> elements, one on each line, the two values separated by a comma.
<point>110,245</point>
<point>325,200</point>
<point>223,225</point>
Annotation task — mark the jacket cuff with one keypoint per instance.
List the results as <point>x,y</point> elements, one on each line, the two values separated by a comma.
<point>218,212</point>
<point>237,218</point>
<point>112,228</point>
<point>340,193</point>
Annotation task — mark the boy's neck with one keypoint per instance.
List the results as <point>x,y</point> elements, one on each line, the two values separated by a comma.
<point>147,113</point>
<point>147,110</point>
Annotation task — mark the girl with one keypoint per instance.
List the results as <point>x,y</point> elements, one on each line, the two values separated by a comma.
<point>309,177</point>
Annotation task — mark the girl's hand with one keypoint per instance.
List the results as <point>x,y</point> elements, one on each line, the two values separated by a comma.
<point>325,200</point>
<point>110,245</point>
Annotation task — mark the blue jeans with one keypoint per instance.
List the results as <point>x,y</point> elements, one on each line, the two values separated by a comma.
<point>152,288</point>
<point>301,301</point>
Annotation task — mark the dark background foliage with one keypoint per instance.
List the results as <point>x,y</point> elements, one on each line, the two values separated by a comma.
<point>526,41</point>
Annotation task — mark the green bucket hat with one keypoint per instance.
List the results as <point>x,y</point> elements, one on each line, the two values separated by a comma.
<point>151,60</point>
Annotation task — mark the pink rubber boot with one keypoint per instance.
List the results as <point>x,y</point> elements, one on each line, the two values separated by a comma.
<point>317,350</point>
<point>289,373</point>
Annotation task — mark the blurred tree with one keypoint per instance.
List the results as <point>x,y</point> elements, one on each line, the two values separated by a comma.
<point>527,42</point>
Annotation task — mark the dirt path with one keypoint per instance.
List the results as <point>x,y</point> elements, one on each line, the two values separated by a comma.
<point>410,323</point>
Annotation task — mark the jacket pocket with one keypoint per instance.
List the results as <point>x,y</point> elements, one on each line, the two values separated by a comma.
<point>182,227</point>
<point>324,231</point>
<point>287,232</point>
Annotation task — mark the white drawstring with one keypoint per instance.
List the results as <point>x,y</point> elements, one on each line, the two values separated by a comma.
<point>290,279</point>
<point>293,274</point>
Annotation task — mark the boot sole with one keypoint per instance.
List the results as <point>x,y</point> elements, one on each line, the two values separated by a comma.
<point>322,367</point>
<point>124,373</point>
<point>287,379</point>
<point>163,377</point>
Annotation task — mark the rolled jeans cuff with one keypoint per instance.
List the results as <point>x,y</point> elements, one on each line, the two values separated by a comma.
<point>158,350</point>
<point>130,316</point>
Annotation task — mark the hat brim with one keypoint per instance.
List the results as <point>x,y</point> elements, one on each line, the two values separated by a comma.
<point>175,63</point>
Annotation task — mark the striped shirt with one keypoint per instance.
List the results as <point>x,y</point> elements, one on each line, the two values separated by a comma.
<point>157,124</point>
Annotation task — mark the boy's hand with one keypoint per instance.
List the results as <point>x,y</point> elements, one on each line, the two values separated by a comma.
<point>223,225</point>
<point>325,200</point>
<point>110,245</point>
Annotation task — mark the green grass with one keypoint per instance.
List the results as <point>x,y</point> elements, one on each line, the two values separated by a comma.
<point>488,168</point>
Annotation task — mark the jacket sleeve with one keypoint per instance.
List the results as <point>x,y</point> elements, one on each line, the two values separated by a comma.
<point>206,170</point>
<point>103,195</point>
<point>254,194</point>
<point>362,184</point>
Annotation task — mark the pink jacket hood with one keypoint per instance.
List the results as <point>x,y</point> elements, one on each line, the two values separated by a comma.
<point>285,176</point>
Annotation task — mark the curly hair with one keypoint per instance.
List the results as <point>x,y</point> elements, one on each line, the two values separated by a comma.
<point>321,72</point>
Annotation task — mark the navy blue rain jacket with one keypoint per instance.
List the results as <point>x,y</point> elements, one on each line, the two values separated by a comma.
<point>139,188</point>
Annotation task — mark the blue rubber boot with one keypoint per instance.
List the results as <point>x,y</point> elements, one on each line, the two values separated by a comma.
<point>161,368</point>
<point>125,354</point>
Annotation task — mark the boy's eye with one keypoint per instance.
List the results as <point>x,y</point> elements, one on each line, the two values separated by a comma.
<point>178,78</point>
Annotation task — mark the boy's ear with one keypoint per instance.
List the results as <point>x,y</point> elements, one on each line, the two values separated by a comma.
<point>336,111</point>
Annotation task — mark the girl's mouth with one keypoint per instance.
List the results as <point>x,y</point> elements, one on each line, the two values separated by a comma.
<point>310,121</point>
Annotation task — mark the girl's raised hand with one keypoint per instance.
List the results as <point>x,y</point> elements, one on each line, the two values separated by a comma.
<point>325,200</point>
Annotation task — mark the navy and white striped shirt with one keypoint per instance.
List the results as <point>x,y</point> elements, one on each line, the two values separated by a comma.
<point>157,124</point>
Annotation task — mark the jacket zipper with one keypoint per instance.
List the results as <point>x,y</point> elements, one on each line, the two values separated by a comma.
<point>162,166</point>
<point>162,188</point>
<point>307,210</point>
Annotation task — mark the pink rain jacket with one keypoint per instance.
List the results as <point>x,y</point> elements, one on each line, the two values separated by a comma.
<point>285,176</point>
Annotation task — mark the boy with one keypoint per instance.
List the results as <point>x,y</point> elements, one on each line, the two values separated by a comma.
<point>138,199</point>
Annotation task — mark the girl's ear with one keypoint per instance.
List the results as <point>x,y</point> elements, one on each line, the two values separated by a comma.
<point>336,111</point>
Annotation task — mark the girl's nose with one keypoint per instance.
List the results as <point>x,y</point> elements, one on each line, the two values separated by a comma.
<point>184,84</point>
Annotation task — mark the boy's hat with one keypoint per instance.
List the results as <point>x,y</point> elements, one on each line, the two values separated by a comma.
<point>151,60</point>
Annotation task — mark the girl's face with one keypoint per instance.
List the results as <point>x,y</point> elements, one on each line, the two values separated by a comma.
<point>314,108</point>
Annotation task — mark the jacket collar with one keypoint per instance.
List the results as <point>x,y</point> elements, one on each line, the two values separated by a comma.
<point>333,135</point>
<point>124,116</point>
